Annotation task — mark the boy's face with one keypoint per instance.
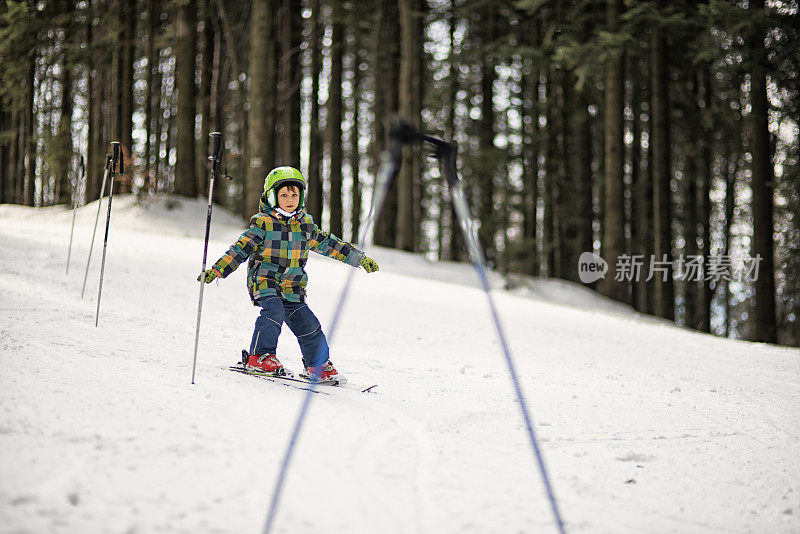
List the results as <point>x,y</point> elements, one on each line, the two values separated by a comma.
<point>288,197</point>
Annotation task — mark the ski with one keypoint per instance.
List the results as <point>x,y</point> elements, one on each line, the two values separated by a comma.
<point>241,367</point>
<point>283,380</point>
<point>302,380</point>
<point>291,378</point>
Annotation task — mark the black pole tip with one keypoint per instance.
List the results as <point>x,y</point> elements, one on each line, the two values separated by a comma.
<point>216,146</point>
<point>116,156</point>
<point>403,131</point>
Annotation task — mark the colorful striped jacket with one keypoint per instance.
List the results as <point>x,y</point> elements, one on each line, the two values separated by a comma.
<point>277,249</point>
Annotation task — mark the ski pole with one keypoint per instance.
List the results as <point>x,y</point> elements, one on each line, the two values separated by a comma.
<point>446,154</point>
<point>116,158</point>
<point>75,209</point>
<point>216,149</point>
<point>391,160</point>
<point>96,219</point>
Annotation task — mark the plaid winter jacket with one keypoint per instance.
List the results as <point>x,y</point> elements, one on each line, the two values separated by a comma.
<point>277,250</point>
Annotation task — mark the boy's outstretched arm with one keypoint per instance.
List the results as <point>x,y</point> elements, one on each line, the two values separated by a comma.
<point>236,255</point>
<point>329,245</point>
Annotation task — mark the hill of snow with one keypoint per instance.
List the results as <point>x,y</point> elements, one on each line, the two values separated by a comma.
<point>645,427</point>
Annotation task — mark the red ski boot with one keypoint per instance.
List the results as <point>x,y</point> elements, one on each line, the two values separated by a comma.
<point>266,363</point>
<point>324,373</point>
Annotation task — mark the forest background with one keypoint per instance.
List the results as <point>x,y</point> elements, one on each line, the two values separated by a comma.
<point>664,131</point>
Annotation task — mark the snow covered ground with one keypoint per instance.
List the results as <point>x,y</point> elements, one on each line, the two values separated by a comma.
<point>645,427</point>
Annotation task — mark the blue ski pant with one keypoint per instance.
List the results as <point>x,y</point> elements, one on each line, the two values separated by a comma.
<point>302,322</point>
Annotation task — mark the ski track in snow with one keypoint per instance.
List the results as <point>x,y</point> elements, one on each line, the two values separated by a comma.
<point>645,427</point>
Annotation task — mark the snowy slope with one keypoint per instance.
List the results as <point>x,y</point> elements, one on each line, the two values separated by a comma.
<point>646,428</point>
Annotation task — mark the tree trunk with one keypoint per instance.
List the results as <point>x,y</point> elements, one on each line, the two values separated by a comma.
<point>386,54</point>
<point>158,106</point>
<point>64,136</point>
<point>583,176</point>
<point>45,116</point>
<point>94,152</point>
<point>185,175</point>
<point>419,88</point>
<point>314,179</point>
<point>14,157</point>
<point>699,169</point>
<point>566,175</point>
<point>613,240</point>
<point>261,130</point>
<point>456,248</point>
<point>30,141</point>
<point>703,307</point>
<point>487,164</point>
<point>405,222</point>
<point>128,22</point>
<point>204,100</point>
<point>216,89</point>
<point>575,172</point>
<point>763,207</point>
<point>94,164</point>
<point>691,218</point>
<point>12,177</point>
<point>661,162</point>
<point>334,118</point>
<point>5,175</point>
<point>233,57</point>
<point>63,183</point>
<point>530,158</point>
<point>642,195</point>
<point>148,93</point>
<point>290,39</point>
<point>114,96</point>
<point>170,140</point>
<point>21,144</point>
<point>355,155</point>
<point>730,206</point>
<point>550,194</point>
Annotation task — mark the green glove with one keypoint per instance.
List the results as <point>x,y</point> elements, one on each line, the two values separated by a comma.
<point>208,276</point>
<point>369,264</point>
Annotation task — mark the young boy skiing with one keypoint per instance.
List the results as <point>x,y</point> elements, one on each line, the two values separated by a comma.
<point>277,245</point>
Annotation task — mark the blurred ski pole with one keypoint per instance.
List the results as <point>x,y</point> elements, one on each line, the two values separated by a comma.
<point>445,153</point>
<point>96,219</point>
<point>75,207</point>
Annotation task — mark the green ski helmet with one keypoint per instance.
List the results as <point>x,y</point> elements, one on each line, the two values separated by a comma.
<point>280,176</point>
